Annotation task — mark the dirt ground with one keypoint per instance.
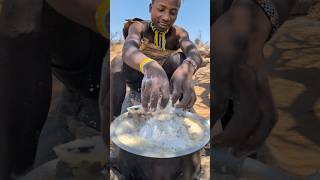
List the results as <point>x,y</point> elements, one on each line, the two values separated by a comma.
<point>293,56</point>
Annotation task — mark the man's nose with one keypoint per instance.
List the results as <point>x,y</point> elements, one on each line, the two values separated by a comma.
<point>166,16</point>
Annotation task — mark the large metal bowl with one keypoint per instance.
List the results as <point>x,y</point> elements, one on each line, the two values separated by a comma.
<point>133,163</point>
<point>127,128</point>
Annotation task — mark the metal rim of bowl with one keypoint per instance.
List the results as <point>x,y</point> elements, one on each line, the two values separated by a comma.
<point>206,136</point>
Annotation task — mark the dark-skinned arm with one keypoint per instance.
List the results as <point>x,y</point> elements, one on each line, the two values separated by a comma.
<point>131,54</point>
<point>181,80</point>
<point>239,73</point>
<point>189,49</point>
<point>155,84</point>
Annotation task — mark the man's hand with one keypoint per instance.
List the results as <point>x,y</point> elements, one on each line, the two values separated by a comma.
<point>254,114</point>
<point>240,75</point>
<point>181,85</point>
<point>155,86</point>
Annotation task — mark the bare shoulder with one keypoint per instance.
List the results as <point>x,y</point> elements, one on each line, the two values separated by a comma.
<point>181,32</point>
<point>182,36</point>
<point>135,33</point>
<point>137,27</point>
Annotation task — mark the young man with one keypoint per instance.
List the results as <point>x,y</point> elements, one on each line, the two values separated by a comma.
<point>240,79</point>
<point>150,58</point>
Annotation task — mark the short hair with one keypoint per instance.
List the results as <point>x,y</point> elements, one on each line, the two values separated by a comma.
<point>152,1</point>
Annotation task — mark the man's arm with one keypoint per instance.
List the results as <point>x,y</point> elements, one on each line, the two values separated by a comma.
<point>155,84</point>
<point>181,80</point>
<point>131,53</point>
<point>239,73</point>
<point>189,49</point>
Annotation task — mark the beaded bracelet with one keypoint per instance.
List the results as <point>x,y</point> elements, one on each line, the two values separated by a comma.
<point>192,62</point>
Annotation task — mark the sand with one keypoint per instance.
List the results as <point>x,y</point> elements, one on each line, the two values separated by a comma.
<point>294,59</point>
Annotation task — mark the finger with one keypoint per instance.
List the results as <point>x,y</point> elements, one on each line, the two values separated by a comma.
<point>145,93</point>
<point>171,86</point>
<point>185,100</point>
<point>241,125</point>
<point>256,139</point>
<point>192,100</point>
<point>165,95</point>
<point>154,100</point>
<point>177,91</point>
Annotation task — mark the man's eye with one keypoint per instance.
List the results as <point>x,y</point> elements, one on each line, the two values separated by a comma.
<point>161,9</point>
<point>173,13</point>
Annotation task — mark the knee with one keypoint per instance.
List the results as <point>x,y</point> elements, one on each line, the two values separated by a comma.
<point>247,18</point>
<point>116,65</point>
<point>174,61</point>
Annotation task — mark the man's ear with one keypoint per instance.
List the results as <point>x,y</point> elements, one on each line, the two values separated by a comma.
<point>150,7</point>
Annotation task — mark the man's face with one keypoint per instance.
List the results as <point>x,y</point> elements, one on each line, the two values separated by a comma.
<point>164,13</point>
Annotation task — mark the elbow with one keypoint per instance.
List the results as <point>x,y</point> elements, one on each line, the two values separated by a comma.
<point>130,47</point>
<point>125,52</point>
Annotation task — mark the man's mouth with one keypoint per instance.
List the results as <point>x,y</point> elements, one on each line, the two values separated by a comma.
<point>164,25</point>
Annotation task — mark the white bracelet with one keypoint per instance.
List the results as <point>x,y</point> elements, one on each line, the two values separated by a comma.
<point>192,62</point>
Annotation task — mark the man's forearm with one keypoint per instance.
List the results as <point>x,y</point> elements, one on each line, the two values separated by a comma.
<point>131,54</point>
<point>192,53</point>
<point>195,58</point>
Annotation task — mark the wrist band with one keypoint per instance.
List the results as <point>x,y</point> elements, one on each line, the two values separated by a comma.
<point>101,18</point>
<point>143,62</point>
<point>190,61</point>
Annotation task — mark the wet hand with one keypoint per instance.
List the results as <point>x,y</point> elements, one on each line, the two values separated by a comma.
<point>155,87</point>
<point>181,84</point>
<point>240,75</point>
<point>254,112</point>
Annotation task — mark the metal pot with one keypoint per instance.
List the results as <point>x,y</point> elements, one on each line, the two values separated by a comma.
<point>132,163</point>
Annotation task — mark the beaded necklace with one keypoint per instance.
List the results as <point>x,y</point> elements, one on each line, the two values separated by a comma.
<point>159,38</point>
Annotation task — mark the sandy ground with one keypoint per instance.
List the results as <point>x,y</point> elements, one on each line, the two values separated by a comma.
<point>294,59</point>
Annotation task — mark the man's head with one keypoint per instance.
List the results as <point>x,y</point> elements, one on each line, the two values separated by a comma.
<point>164,13</point>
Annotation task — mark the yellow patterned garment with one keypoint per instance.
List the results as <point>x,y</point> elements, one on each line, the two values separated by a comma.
<point>154,52</point>
<point>103,11</point>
